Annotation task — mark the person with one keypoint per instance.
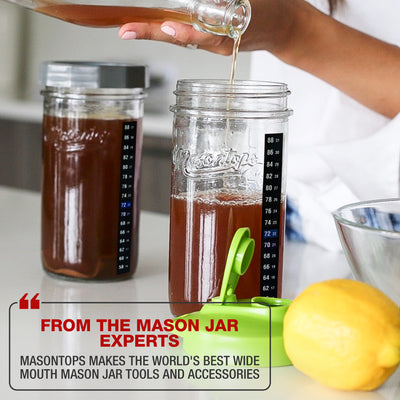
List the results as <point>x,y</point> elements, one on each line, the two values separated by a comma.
<point>341,61</point>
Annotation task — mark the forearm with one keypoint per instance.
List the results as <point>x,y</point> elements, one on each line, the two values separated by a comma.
<point>364,68</point>
<point>359,65</point>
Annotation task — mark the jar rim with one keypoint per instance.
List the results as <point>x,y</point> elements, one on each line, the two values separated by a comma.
<point>223,87</point>
<point>93,93</point>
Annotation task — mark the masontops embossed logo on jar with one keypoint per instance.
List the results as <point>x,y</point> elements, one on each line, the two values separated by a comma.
<point>213,163</point>
<point>74,137</point>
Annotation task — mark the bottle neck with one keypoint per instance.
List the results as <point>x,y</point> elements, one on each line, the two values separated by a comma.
<point>221,17</point>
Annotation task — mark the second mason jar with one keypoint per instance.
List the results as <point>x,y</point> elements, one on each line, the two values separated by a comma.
<point>228,172</point>
<point>92,143</point>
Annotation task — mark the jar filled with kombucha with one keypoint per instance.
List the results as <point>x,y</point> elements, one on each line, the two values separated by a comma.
<point>92,143</point>
<point>229,169</point>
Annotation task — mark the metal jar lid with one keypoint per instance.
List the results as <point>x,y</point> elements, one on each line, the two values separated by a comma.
<point>93,75</point>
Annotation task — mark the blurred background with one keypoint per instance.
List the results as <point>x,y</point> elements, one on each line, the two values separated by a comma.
<point>28,38</point>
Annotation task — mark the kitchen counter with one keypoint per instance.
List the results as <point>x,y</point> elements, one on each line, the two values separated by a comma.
<point>22,273</point>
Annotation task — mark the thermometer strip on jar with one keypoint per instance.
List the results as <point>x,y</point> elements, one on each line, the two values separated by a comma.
<point>128,151</point>
<point>271,216</point>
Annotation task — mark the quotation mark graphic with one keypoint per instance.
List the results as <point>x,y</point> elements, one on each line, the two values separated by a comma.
<point>34,302</point>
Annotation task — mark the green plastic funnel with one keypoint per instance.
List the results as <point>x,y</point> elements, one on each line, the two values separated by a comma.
<point>227,326</point>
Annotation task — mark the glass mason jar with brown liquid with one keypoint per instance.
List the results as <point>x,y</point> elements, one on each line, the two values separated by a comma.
<point>228,172</point>
<point>92,141</point>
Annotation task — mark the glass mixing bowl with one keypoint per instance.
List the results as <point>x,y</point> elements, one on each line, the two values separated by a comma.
<point>370,235</point>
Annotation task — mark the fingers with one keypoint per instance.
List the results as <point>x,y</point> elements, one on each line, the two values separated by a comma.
<point>186,35</point>
<point>176,33</point>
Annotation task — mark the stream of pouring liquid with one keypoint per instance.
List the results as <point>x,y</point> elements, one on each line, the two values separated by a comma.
<point>237,36</point>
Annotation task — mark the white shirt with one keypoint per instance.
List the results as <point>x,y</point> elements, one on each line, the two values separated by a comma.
<point>339,151</point>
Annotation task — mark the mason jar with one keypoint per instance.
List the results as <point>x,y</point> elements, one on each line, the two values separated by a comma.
<point>92,142</point>
<point>229,167</point>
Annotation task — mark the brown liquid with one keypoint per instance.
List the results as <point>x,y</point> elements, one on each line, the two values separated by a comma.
<point>80,197</point>
<point>109,16</point>
<point>200,234</point>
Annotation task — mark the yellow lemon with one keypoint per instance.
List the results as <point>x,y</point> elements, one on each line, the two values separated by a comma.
<point>344,334</point>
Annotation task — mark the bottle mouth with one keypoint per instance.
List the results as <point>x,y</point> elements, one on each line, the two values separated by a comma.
<point>239,16</point>
<point>225,17</point>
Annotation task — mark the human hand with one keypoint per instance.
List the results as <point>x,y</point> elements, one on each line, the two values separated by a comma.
<point>178,34</point>
<point>269,29</point>
<point>300,35</point>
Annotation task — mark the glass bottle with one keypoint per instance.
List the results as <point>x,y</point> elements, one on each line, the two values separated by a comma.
<point>92,142</point>
<point>228,172</point>
<point>220,17</point>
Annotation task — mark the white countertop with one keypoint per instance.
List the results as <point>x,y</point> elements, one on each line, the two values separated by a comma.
<point>22,273</point>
